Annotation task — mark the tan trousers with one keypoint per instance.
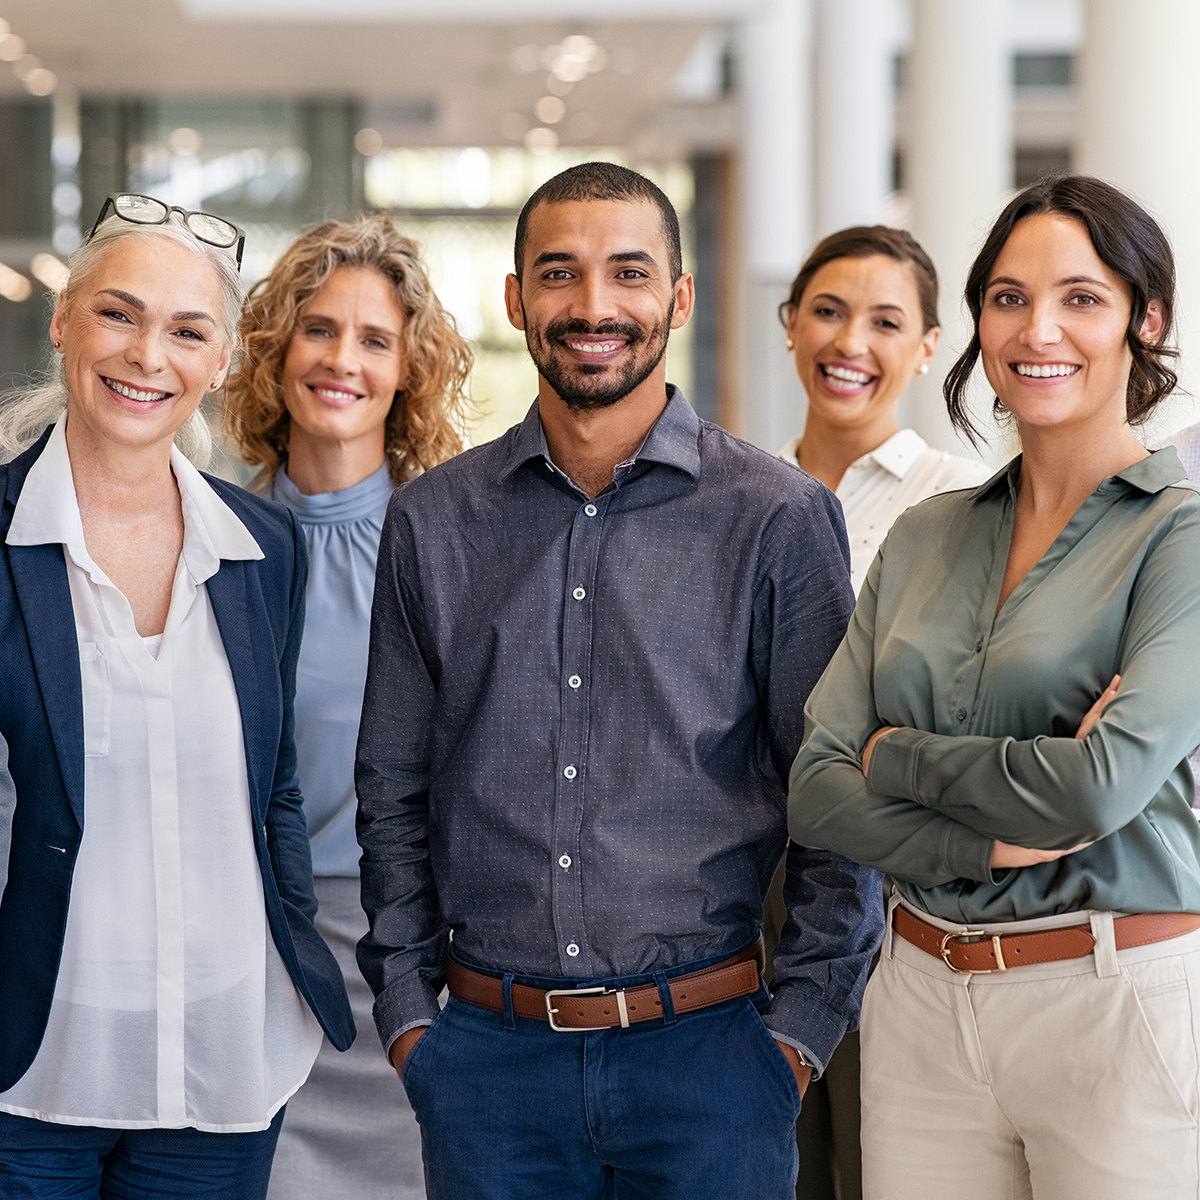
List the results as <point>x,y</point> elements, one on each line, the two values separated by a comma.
<point>1074,1080</point>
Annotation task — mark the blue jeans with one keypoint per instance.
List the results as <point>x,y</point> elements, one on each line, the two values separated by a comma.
<point>40,1160</point>
<point>702,1107</point>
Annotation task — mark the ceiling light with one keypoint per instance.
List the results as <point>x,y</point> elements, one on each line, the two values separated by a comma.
<point>541,141</point>
<point>40,82</point>
<point>50,271</point>
<point>569,69</point>
<point>13,285</point>
<point>368,142</point>
<point>11,48</point>
<point>558,87</point>
<point>549,110</point>
<point>579,45</point>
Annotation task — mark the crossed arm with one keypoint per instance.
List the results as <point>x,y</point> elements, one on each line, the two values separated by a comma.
<point>931,808</point>
<point>1005,856</point>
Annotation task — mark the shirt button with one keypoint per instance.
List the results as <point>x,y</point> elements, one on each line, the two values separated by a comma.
<point>579,593</point>
<point>574,681</point>
<point>565,861</point>
<point>572,950</point>
<point>961,714</point>
<point>590,509</point>
<point>570,772</point>
<point>979,645</point>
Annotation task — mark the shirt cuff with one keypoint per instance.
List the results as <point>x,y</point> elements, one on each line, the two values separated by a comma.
<point>805,1024</point>
<point>968,854</point>
<point>409,1002</point>
<point>893,769</point>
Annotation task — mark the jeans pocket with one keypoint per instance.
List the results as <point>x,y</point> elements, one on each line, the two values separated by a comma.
<point>409,1073</point>
<point>777,1062</point>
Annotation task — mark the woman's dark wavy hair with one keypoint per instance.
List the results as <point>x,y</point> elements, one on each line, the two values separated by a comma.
<point>1129,242</point>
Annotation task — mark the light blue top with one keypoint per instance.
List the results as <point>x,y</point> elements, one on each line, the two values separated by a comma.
<point>342,532</point>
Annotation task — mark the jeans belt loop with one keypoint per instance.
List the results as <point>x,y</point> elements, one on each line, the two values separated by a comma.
<point>664,994</point>
<point>510,1017</point>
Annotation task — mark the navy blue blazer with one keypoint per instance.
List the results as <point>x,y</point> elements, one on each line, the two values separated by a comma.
<point>259,609</point>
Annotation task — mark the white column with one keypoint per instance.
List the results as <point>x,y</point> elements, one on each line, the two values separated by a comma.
<point>1139,102</point>
<point>854,112</point>
<point>959,171</point>
<point>774,79</point>
<point>66,198</point>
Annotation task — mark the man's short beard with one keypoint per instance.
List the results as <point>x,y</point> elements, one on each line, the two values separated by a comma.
<point>569,379</point>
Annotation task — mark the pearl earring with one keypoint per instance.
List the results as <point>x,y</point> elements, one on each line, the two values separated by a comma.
<point>790,344</point>
<point>923,369</point>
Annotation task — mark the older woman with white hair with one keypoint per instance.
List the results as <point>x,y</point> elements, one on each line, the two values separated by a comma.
<point>162,987</point>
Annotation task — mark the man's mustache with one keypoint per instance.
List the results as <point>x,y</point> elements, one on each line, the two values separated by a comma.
<point>566,326</point>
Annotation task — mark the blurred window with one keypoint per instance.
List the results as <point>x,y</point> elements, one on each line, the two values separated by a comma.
<point>1043,70</point>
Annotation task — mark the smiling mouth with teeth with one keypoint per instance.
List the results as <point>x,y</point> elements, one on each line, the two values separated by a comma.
<point>1036,371</point>
<point>595,347</point>
<point>130,393</point>
<point>846,375</point>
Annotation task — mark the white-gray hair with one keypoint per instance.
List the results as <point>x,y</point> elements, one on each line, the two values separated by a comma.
<point>25,412</point>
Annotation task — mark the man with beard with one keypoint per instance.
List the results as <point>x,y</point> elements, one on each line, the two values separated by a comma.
<point>590,650</point>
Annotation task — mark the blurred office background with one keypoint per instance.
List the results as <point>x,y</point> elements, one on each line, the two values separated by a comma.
<point>768,122</point>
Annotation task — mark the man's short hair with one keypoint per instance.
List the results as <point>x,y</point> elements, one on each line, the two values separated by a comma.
<point>603,181</point>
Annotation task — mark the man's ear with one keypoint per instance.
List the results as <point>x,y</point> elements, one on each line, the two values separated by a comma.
<point>685,300</point>
<point>512,302</point>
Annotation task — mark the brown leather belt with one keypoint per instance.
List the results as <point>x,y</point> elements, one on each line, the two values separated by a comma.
<point>1003,951</point>
<point>581,1009</point>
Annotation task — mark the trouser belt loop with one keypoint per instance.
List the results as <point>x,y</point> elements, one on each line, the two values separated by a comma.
<point>893,902</point>
<point>664,994</point>
<point>1106,944</point>
<point>506,986</point>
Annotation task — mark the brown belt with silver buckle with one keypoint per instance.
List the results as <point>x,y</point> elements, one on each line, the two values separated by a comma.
<point>1003,951</point>
<point>581,1009</point>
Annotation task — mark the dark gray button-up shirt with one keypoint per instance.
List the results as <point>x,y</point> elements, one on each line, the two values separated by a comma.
<point>579,718</point>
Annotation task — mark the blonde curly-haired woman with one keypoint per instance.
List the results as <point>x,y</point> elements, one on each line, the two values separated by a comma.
<point>353,380</point>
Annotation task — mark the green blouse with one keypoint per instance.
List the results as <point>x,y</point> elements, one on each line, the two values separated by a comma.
<point>987,705</point>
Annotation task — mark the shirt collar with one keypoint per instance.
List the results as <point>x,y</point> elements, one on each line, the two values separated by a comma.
<point>899,452</point>
<point>896,455</point>
<point>47,511</point>
<point>1153,474</point>
<point>1161,469</point>
<point>672,440</point>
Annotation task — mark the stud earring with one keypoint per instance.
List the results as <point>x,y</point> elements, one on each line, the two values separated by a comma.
<point>923,369</point>
<point>790,344</point>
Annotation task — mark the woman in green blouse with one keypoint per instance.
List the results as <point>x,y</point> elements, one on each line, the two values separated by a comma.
<point>1005,729</point>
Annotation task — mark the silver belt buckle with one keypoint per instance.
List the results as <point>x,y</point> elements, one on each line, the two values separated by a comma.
<point>592,991</point>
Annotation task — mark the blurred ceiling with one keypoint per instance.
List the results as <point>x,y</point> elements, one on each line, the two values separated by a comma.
<point>456,81</point>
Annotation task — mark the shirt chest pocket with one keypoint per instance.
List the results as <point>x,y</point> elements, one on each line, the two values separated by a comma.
<point>97,699</point>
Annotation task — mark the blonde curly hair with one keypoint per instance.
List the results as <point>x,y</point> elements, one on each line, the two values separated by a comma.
<point>419,433</point>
